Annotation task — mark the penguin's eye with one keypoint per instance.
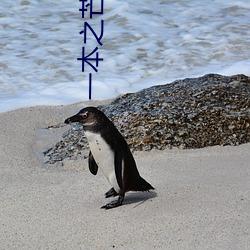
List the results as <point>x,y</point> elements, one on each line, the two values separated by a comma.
<point>84,115</point>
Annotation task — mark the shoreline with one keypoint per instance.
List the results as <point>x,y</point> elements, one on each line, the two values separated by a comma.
<point>201,198</point>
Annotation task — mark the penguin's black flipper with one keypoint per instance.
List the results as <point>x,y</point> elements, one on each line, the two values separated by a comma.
<point>93,167</point>
<point>118,166</point>
<point>111,193</point>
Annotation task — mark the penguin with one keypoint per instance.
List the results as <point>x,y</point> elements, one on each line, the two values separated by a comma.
<point>110,152</point>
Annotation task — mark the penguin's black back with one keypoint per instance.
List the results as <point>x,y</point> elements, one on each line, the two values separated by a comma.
<point>132,180</point>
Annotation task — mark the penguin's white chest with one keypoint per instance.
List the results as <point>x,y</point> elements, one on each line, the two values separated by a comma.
<point>104,157</point>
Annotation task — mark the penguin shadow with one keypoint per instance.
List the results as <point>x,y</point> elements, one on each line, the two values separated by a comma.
<point>137,198</point>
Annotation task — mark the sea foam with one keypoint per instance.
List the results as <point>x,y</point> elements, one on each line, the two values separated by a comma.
<point>145,43</point>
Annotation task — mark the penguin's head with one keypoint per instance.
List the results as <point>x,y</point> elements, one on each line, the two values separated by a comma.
<point>88,117</point>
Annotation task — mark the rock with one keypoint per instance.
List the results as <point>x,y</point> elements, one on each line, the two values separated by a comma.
<point>190,113</point>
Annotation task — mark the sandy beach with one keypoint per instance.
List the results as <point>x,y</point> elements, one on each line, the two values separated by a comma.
<point>201,198</point>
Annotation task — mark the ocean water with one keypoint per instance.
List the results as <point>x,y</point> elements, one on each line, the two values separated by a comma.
<point>145,43</point>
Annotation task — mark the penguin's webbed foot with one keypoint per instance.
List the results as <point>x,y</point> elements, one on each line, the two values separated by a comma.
<point>111,193</point>
<point>113,204</point>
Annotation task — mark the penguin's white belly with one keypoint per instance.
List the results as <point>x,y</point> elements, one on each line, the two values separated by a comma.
<point>104,157</point>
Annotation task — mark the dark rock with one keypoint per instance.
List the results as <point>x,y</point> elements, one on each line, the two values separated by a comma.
<point>190,113</point>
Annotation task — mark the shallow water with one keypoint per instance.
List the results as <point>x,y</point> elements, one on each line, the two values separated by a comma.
<point>144,43</point>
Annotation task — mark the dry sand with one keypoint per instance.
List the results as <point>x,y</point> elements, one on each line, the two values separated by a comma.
<point>201,201</point>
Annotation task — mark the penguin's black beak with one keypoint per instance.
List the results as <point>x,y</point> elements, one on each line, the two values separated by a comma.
<point>74,118</point>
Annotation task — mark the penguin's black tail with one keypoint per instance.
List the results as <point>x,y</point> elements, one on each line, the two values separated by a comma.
<point>141,185</point>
